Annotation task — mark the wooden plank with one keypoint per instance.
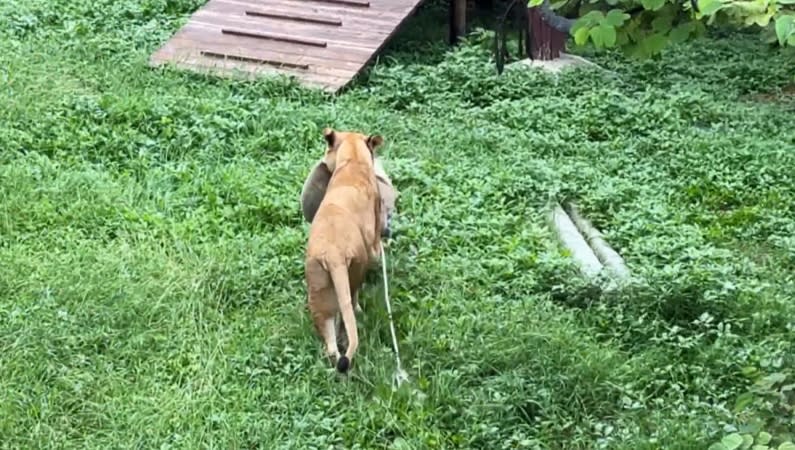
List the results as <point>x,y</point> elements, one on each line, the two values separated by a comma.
<point>356,3</point>
<point>279,64</point>
<point>256,69</point>
<point>373,25</point>
<point>362,16</point>
<point>194,57</point>
<point>300,18</point>
<point>203,32</point>
<point>381,5</point>
<point>341,37</point>
<point>241,69</point>
<point>279,37</point>
<point>192,47</point>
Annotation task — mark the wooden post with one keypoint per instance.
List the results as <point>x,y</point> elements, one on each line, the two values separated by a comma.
<point>546,43</point>
<point>527,38</point>
<point>458,20</point>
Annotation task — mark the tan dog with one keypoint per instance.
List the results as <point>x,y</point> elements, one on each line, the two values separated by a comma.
<point>344,238</point>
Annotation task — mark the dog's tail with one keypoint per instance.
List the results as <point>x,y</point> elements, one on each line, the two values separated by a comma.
<point>339,276</point>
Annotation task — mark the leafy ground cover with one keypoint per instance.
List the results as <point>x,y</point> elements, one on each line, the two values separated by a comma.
<point>151,290</point>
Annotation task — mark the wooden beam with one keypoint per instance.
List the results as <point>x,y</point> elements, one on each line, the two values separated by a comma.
<point>458,20</point>
<point>528,32</point>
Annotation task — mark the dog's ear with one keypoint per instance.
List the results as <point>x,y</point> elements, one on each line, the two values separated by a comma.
<point>374,141</point>
<point>328,134</point>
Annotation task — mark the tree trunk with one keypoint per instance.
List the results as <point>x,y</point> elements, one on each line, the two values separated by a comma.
<point>546,43</point>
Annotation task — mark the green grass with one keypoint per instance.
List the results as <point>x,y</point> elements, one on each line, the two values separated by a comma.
<point>151,245</point>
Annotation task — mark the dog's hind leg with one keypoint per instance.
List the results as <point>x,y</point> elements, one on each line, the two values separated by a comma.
<point>330,336</point>
<point>327,328</point>
<point>323,316</point>
<point>358,274</point>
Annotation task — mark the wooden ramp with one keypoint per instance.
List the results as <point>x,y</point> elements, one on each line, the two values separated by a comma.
<point>323,43</point>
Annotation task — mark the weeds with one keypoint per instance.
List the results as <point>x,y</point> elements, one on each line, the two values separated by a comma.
<point>151,290</point>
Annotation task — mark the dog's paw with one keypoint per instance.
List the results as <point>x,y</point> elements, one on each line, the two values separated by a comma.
<point>333,357</point>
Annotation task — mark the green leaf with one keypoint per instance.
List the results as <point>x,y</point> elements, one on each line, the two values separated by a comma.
<point>399,444</point>
<point>710,7</point>
<point>754,12</point>
<point>742,401</point>
<point>680,33</point>
<point>751,428</point>
<point>749,371</point>
<point>785,27</point>
<point>717,446</point>
<point>652,5</point>
<point>616,17</point>
<point>732,441</point>
<point>747,441</point>
<point>760,19</point>
<point>609,35</point>
<point>786,446</point>
<point>603,36</point>
<point>622,39</point>
<point>750,7</point>
<point>592,18</point>
<point>534,3</point>
<point>654,43</point>
<point>581,36</point>
<point>596,36</point>
<point>778,377</point>
<point>662,23</point>
<point>763,438</point>
<point>593,15</point>
<point>785,2</point>
<point>760,447</point>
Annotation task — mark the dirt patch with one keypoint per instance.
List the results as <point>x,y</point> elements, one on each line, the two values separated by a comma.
<point>787,94</point>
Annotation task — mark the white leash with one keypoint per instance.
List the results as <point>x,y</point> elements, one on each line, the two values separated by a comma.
<point>400,375</point>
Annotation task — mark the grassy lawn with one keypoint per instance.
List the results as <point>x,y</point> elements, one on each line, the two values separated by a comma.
<point>151,245</point>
